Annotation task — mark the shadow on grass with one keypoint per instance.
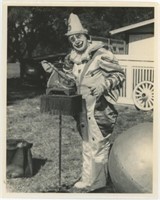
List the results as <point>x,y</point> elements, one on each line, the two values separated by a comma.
<point>37,164</point>
<point>17,91</point>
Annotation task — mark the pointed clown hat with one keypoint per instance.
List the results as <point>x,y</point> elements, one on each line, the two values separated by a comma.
<point>75,26</point>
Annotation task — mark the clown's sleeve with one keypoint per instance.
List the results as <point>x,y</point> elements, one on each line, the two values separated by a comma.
<point>112,71</point>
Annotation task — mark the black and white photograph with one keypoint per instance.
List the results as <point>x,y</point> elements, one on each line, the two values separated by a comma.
<point>80,99</point>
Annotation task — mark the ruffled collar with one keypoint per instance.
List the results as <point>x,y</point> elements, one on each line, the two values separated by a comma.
<point>79,58</point>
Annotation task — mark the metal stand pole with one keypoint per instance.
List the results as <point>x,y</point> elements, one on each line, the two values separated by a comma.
<point>60,141</point>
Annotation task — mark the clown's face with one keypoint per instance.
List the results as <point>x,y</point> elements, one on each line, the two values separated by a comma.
<point>79,42</point>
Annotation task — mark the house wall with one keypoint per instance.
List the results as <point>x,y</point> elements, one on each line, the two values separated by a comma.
<point>141,46</point>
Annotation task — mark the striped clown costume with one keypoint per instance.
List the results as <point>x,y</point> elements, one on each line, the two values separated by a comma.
<point>99,78</point>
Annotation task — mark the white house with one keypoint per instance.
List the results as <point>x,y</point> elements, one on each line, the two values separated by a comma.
<point>138,63</point>
<point>139,39</point>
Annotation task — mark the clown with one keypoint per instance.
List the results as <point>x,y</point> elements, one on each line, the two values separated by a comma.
<point>98,78</point>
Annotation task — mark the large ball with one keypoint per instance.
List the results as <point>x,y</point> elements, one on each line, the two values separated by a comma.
<point>130,160</point>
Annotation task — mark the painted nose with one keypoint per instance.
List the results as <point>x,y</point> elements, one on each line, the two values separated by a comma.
<point>75,39</point>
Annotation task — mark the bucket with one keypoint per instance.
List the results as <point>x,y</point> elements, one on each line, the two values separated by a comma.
<point>19,158</point>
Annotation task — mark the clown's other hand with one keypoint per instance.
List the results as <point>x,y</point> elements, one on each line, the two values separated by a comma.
<point>97,90</point>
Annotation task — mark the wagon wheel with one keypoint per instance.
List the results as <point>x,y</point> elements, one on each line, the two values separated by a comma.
<point>143,95</point>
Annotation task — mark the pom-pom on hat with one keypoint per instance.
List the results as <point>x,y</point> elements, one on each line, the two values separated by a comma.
<point>75,26</point>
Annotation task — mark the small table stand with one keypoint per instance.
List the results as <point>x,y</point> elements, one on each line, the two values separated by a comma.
<point>61,105</point>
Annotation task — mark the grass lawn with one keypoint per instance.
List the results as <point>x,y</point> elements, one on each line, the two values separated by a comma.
<point>25,121</point>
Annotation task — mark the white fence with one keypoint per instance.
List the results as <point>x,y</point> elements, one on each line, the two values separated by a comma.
<point>136,71</point>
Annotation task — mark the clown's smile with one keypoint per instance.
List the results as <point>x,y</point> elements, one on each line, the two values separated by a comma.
<point>79,42</point>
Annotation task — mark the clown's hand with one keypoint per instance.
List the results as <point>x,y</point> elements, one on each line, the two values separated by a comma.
<point>70,76</point>
<point>47,66</point>
<point>97,90</point>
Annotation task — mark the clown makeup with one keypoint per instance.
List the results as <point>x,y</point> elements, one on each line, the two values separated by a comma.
<point>79,42</point>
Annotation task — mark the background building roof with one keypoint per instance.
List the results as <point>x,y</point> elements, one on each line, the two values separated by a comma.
<point>132,26</point>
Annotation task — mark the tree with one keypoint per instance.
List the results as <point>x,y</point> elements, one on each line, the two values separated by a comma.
<point>31,28</point>
<point>41,30</point>
<point>19,20</point>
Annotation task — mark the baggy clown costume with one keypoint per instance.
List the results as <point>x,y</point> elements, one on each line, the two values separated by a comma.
<point>99,78</point>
